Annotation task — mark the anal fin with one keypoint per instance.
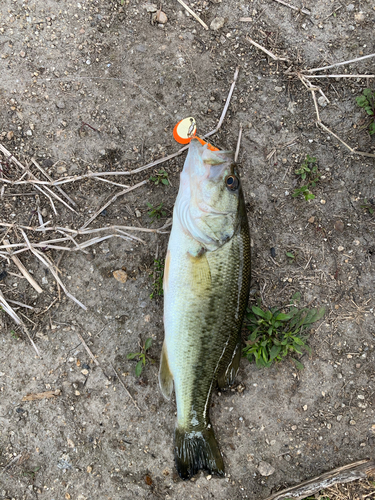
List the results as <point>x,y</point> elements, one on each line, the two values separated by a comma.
<point>165,375</point>
<point>228,375</point>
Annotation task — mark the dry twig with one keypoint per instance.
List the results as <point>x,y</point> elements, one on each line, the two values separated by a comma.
<point>345,474</point>
<point>124,386</point>
<point>41,395</point>
<point>193,14</point>
<point>305,11</point>
<point>275,58</point>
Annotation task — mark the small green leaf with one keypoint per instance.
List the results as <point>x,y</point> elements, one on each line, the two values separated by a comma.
<point>165,182</point>
<point>132,355</point>
<point>296,297</point>
<point>148,343</point>
<point>274,352</point>
<point>299,365</point>
<point>258,311</point>
<point>290,255</point>
<point>283,317</point>
<point>138,368</point>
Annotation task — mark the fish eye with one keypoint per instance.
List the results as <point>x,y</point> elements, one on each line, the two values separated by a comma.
<point>232,182</point>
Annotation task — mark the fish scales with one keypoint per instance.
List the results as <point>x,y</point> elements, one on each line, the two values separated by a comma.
<point>206,286</point>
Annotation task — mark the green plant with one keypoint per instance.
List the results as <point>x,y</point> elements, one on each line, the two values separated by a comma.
<point>308,171</point>
<point>13,334</point>
<point>291,256</point>
<point>142,357</point>
<point>160,177</point>
<point>156,212</point>
<point>369,205</point>
<point>275,334</point>
<point>31,473</point>
<point>158,276</point>
<point>367,102</point>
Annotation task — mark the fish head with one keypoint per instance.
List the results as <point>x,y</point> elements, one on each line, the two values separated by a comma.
<point>208,201</point>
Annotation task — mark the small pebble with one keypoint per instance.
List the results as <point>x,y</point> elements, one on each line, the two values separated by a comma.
<point>340,248</point>
<point>278,89</point>
<point>304,408</point>
<point>85,372</point>
<point>265,469</point>
<point>352,422</point>
<point>217,23</point>
<point>339,418</point>
<point>323,202</point>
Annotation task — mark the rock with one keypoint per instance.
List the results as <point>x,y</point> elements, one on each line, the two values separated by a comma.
<point>278,89</point>
<point>350,7</point>
<point>339,226</point>
<point>265,469</point>
<point>120,275</point>
<point>217,23</point>
<point>61,169</point>
<point>10,135</point>
<point>160,17</point>
<point>359,17</point>
<point>60,104</point>
<point>29,133</point>
<point>312,219</point>
<point>340,248</point>
<point>322,101</point>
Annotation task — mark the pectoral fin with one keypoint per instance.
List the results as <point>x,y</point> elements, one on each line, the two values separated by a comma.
<point>200,273</point>
<point>165,375</point>
<point>228,375</point>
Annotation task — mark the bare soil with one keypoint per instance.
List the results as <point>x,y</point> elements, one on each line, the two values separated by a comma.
<point>96,86</point>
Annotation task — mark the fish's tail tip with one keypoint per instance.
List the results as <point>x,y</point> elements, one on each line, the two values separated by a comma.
<point>196,451</point>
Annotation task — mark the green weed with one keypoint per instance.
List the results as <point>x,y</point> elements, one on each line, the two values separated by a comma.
<point>367,102</point>
<point>31,473</point>
<point>142,357</point>
<point>158,275</point>
<point>160,178</point>
<point>369,205</point>
<point>14,334</point>
<point>308,171</point>
<point>275,334</point>
<point>156,212</point>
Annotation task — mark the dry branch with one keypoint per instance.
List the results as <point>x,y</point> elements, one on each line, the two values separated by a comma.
<point>193,14</point>
<point>343,63</point>
<point>114,198</point>
<point>345,474</point>
<point>4,305</point>
<point>41,395</point>
<point>23,270</point>
<point>305,11</point>
<point>266,51</point>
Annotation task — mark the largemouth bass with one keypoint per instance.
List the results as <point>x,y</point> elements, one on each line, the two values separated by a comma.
<point>206,289</point>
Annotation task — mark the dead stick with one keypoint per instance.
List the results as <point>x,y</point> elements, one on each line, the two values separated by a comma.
<point>238,144</point>
<point>339,76</point>
<point>17,320</point>
<point>23,270</point>
<point>305,11</point>
<point>50,179</point>
<point>345,474</point>
<point>276,58</point>
<point>218,126</point>
<point>193,14</point>
<point>341,63</point>
<point>114,198</point>
<point>124,386</point>
<point>354,151</point>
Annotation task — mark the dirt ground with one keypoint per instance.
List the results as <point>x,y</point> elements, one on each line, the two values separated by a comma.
<point>96,86</point>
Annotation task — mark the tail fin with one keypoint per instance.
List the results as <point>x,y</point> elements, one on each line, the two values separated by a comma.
<point>197,450</point>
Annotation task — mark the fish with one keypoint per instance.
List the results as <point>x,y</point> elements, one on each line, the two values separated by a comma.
<point>206,289</point>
